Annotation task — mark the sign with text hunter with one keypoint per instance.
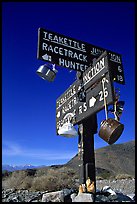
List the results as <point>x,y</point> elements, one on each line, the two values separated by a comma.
<point>74,54</point>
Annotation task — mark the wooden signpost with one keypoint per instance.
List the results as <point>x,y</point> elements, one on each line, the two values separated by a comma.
<point>85,97</point>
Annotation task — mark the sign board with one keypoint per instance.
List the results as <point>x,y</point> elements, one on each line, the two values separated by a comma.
<point>115,63</point>
<point>68,103</point>
<point>61,50</point>
<point>68,100</point>
<point>74,54</point>
<point>90,76</point>
<point>95,99</point>
<point>95,72</point>
<point>78,111</point>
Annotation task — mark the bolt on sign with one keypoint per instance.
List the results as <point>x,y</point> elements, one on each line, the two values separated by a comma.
<point>74,54</point>
<point>68,103</point>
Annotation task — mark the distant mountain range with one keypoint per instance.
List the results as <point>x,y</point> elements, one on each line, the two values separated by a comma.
<point>21,167</point>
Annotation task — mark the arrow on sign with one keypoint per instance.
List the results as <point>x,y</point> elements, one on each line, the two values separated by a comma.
<point>92,101</point>
<point>46,57</point>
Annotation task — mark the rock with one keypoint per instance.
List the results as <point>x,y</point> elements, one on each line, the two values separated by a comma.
<point>107,189</point>
<point>13,199</point>
<point>106,194</point>
<point>132,196</point>
<point>112,197</point>
<point>67,191</point>
<point>122,198</point>
<point>83,197</point>
<point>73,195</point>
<point>101,198</point>
<point>57,196</point>
<point>67,194</point>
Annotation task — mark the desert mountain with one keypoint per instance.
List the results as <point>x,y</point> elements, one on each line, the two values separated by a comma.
<point>113,159</point>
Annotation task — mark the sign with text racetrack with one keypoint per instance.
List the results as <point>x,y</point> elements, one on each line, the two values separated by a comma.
<point>74,54</point>
<point>63,51</point>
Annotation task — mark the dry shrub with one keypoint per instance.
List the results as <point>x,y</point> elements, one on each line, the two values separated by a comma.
<point>124,176</point>
<point>27,183</point>
<point>50,179</point>
<point>40,183</point>
<point>54,180</point>
<point>99,178</point>
<point>15,180</point>
<point>41,172</point>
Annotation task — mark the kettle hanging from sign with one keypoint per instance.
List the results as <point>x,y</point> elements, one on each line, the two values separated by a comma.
<point>111,129</point>
<point>68,129</point>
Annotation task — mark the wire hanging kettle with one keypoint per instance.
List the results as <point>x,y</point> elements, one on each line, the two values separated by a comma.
<point>110,129</point>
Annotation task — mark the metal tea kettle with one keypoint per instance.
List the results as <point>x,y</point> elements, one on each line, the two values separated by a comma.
<point>110,129</point>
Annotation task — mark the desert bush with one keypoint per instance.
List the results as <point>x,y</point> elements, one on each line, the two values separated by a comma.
<point>54,179</point>
<point>6,173</point>
<point>26,183</point>
<point>41,172</point>
<point>99,178</point>
<point>42,183</point>
<point>105,175</point>
<point>49,179</point>
<point>15,179</point>
<point>124,176</point>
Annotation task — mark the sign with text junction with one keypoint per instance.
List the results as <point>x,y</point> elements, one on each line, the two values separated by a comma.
<point>95,99</point>
<point>74,54</point>
<point>78,111</point>
<point>68,103</point>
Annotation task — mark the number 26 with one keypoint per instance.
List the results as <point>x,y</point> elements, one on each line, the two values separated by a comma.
<point>101,94</point>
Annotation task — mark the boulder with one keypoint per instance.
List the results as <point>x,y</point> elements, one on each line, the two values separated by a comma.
<point>83,197</point>
<point>58,196</point>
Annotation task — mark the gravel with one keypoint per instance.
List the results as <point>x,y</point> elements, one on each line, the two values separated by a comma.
<point>125,186</point>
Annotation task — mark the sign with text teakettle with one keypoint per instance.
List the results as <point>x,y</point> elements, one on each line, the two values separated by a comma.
<point>74,54</point>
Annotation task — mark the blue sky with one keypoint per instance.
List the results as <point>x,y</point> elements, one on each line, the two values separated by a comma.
<point>28,102</point>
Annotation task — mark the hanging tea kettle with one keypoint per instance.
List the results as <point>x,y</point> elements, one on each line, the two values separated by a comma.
<point>110,129</point>
<point>68,129</point>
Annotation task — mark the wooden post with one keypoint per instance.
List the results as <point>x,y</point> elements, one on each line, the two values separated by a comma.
<point>87,178</point>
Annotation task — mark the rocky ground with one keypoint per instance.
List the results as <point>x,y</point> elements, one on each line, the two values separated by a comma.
<point>125,186</point>
<point>107,191</point>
